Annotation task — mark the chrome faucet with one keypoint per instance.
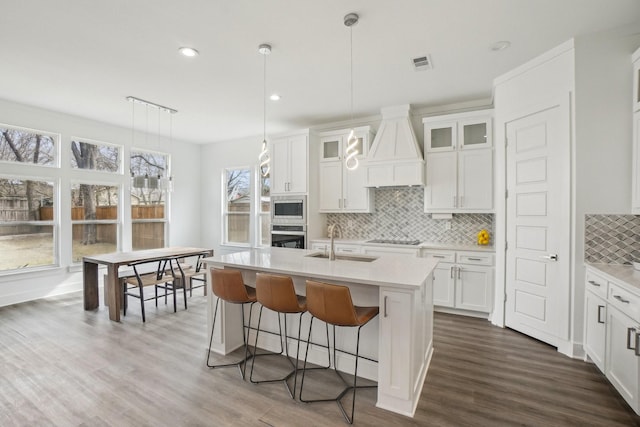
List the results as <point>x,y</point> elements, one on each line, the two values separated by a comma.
<point>332,230</point>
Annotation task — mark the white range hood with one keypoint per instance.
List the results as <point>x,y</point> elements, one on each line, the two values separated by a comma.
<point>395,158</point>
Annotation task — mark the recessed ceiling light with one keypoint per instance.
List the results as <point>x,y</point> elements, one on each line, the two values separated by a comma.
<point>188,51</point>
<point>275,97</point>
<point>501,45</point>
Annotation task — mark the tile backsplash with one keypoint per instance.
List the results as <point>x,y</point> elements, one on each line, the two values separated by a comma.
<point>399,214</point>
<point>611,239</point>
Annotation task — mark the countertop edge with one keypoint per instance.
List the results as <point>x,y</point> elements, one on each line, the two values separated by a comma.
<point>622,274</point>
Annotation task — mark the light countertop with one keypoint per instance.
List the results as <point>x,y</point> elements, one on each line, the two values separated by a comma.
<point>620,273</point>
<point>388,271</point>
<point>422,245</point>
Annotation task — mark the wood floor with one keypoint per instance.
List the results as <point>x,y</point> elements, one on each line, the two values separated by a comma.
<point>62,366</point>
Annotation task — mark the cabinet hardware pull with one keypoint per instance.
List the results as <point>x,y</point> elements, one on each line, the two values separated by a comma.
<point>474,259</point>
<point>459,269</point>
<point>455,202</point>
<point>344,204</point>
<point>600,307</point>
<point>637,350</point>
<point>591,282</point>
<point>385,307</point>
<point>438,256</point>
<point>461,201</point>
<point>451,272</point>
<point>622,300</point>
<point>340,203</point>
<point>629,332</point>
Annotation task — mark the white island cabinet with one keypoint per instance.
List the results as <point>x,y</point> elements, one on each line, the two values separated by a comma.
<point>400,337</point>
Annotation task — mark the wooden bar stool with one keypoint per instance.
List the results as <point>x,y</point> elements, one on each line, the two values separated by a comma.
<point>278,294</point>
<point>229,287</point>
<point>333,305</point>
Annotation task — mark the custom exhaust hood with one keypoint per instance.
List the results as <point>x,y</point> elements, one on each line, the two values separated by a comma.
<point>395,158</point>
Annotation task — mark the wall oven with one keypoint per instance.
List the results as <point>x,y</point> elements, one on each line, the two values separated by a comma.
<point>289,236</point>
<point>289,210</point>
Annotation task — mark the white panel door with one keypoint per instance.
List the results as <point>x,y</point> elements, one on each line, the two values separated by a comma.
<point>356,195</point>
<point>444,285</point>
<point>298,164</point>
<point>442,177</point>
<point>538,224</point>
<point>279,166</point>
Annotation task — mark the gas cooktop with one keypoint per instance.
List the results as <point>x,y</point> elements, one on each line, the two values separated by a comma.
<point>395,242</point>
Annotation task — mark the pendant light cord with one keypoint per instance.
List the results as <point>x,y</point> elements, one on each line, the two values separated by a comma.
<point>351,68</point>
<point>264,99</point>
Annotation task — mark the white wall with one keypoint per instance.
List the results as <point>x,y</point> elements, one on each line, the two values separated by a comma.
<point>603,129</point>
<point>596,69</point>
<point>184,210</point>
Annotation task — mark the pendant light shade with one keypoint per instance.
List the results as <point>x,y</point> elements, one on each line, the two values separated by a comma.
<point>351,160</point>
<point>264,158</point>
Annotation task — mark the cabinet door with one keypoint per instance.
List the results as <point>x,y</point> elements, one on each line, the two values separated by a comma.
<point>357,197</point>
<point>475,180</point>
<point>298,164</point>
<point>444,285</point>
<point>440,191</point>
<point>440,136</point>
<point>279,166</point>
<point>636,82</point>
<point>623,366</point>
<point>595,328</point>
<point>331,147</point>
<point>474,286</point>
<point>396,313</point>
<point>474,133</point>
<point>330,186</point>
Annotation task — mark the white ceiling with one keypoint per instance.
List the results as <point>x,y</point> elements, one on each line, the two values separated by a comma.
<point>84,57</point>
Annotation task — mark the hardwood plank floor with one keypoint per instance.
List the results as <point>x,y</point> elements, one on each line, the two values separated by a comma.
<point>62,366</point>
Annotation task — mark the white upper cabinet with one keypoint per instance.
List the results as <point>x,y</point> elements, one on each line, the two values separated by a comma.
<point>458,131</point>
<point>289,171</point>
<point>459,167</point>
<point>341,189</point>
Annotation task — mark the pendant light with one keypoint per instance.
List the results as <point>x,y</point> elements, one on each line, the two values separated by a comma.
<point>351,161</point>
<point>264,158</point>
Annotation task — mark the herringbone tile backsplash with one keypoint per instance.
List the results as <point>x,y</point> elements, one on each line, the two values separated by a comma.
<point>612,239</point>
<point>399,214</point>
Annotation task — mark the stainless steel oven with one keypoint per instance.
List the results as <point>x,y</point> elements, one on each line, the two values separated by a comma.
<point>289,210</point>
<point>289,236</point>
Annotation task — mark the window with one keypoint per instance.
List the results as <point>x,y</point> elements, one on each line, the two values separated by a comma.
<point>27,146</point>
<point>95,156</point>
<point>237,206</point>
<point>27,226</point>
<point>264,210</point>
<point>148,199</point>
<point>94,218</point>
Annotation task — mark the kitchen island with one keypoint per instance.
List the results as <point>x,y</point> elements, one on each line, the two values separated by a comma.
<point>400,338</point>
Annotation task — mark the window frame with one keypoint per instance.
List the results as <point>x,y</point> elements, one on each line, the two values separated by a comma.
<point>57,143</point>
<point>259,215</point>
<point>167,197</point>
<point>54,223</point>
<point>119,147</point>
<point>225,206</point>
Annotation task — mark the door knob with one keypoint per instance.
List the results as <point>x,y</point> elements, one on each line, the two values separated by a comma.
<point>552,257</point>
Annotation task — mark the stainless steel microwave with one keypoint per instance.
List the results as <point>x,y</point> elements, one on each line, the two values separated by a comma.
<point>289,209</point>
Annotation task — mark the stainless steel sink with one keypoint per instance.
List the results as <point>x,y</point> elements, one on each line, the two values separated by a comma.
<point>361,258</point>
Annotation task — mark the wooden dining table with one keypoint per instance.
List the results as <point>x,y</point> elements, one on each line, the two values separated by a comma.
<point>114,261</point>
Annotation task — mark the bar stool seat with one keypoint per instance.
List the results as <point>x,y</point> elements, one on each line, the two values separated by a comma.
<point>278,294</point>
<point>228,286</point>
<point>333,305</point>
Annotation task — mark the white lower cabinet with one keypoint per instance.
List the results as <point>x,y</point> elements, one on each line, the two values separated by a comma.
<point>623,364</point>
<point>463,280</point>
<point>386,250</point>
<point>595,328</point>
<point>612,328</point>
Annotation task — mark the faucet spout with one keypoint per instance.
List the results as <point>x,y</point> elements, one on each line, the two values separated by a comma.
<point>332,232</point>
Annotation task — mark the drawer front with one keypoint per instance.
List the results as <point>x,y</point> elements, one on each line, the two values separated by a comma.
<point>624,301</point>
<point>596,284</point>
<point>347,249</point>
<point>475,258</point>
<point>442,256</point>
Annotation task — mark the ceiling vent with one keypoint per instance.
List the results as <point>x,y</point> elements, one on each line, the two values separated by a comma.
<point>422,63</point>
